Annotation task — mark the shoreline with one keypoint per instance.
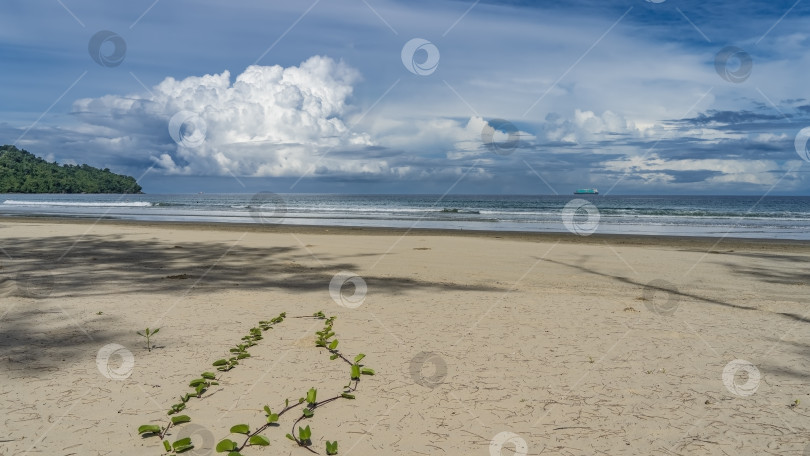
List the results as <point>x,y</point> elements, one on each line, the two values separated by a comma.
<point>531,236</point>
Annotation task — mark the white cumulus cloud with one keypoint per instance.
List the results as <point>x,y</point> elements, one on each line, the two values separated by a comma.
<point>271,121</point>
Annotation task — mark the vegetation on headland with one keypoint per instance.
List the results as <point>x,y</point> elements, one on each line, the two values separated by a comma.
<point>24,172</point>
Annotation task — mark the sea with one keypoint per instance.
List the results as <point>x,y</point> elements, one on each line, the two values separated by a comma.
<point>770,217</point>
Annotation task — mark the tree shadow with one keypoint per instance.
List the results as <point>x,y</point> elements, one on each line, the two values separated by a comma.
<point>35,274</point>
<point>676,292</point>
<point>28,347</point>
<point>41,268</point>
<point>783,274</point>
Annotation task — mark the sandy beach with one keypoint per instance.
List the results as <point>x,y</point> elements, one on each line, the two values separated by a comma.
<point>539,344</point>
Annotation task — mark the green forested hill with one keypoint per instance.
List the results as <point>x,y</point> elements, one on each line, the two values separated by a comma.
<point>23,172</point>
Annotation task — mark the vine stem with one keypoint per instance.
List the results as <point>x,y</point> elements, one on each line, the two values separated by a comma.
<point>166,431</point>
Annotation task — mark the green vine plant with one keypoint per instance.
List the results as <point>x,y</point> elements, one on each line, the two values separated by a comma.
<point>255,438</point>
<point>310,403</point>
<point>148,335</point>
<point>201,385</point>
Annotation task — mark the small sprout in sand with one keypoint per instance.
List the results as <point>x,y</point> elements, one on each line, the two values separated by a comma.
<point>794,404</point>
<point>148,335</point>
<point>331,447</point>
<point>590,359</point>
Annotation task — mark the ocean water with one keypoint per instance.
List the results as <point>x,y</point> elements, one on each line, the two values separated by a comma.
<point>774,217</point>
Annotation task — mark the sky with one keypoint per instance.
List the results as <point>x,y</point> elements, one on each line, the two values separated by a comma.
<point>395,96</point>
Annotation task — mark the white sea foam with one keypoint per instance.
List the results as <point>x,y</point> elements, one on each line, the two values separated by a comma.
<point>79,203</point>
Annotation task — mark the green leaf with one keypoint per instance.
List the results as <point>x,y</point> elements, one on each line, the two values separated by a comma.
<point>367,371</point>
<point>243,355</point>
<point>259,440</point>
<point>347,395</point>
<point>331,447</point>
<point>305,433</point>
<point>272,418</point>
<point>182,445</point>
<point>308,413</point>
<point>311,395</point>
<point>155,331</point>
<point>241,429</point>
<point>333,345</point>
<point>220,362</point>
<point>226,445</point>
<point>196,381</point>
<point>167,445</point>
<point>334,357</point>
<point>149,429</point>
<point>289,436</point>
<point>208,375</point>
<point>359,357</point>
<point>180,419</point>
<point>355,372</point>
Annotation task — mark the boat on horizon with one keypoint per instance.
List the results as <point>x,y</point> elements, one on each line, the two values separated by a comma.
<point>586,191</point>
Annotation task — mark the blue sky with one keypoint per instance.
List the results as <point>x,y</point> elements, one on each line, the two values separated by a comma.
<point>632,96</point>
